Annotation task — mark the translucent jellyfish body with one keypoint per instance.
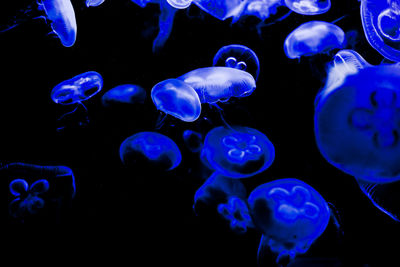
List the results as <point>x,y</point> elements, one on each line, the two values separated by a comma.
<point>193,140</point>
<point>357,124</point>
<point>124,94</point>
<point>290,214</point>
<point>177,99</point>
<point>222,9</point>
<point>312,38</point>
<point>238,57</point>
<point>261,9</point>
<point>93,3</point>
<point>381,23</point>
<point>237,152</point>
<point>309,7</point>
<point>150,150</point>
<point>179,4</point>
<point>215,84</point>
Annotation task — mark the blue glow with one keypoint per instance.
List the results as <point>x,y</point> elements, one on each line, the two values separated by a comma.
<point>215,84</point>
<point>312,38</point>
<point>262,9</point>
<point>124,94</point>
<point>239,57</point>
<point>309,7</point>
<point>62,16</point>
<point>90,3</point>
<point>357,124</point>
<point>237,152</point>
<point>237,213</point>
<point>222,9</point>
<point>150,149</point>
<point>380,20</point>
<point>143,3</point>
<point>179,4</point>
<point>193,140</point>
<point>290,214</point>
<point>165,23</point>
<point>177,98</point>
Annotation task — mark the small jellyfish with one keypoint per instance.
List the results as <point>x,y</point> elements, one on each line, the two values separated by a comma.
<point>308,7</point>
<point>124,94</point>
<point>150,150</point>
<point>143,3</point>
<point>261,9</point>
<point>222,9</point>
<point>193,140</point>
<point>235,211</point>
<point>238,57</point>
<point>381,24</point>
<point>215,84</point>
<point>312,38</point>
<point>90,3</point>
<point>177,99</point>
<point>290,214</point>
<point>237,152</point>
<point>357,124</point>
<point>179,4</point>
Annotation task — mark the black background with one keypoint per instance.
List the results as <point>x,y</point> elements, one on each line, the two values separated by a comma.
<point>120,215</point>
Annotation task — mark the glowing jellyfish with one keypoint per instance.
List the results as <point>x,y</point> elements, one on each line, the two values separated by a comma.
<point>381,23</point>
<point>215,84</point>
<point>150,150</point>
<point>312,38</point>
<point>309,7</point>
<point>124,94</point>
<point>237,152</point>
<point>238,57</point>
<point>235,211</point>
<point>222,9</point>
<point>193,140</point>
<point>90,3</point>
<point>165,23</point>
<point>261,9</point>
<point>179,4</point>
<point>290,214</point>
<point>176,98</point>
<point>357,124</point>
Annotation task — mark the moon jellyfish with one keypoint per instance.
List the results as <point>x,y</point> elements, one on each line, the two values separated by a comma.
<point>290,214</point>
<point>308,7</point>
<point>261,9</point>
<point>222,9</point>
<point>237,152</point>
<point>124,94</point>
<point>381,24</point>
<point>357,124</point>
<point>312,38</point>
<point>235,211</point>
<point>215,84</point>
<point>150,150</point>
<point>90,3</point>
<point>179,4</point>
<point>193,140</point>
<point>177,98</point>
<point>238,57</point>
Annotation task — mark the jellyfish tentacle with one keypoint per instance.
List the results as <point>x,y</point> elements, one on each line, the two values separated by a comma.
<point>165,23</point>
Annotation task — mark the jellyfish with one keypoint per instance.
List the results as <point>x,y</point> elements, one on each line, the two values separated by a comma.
<point>90,3</point>
<point>357,124</point>
<point>150,150</point>
<point>309,7</point>
<point>179,4</point>
<point>237,152</point>
<point>238,57</point>
<point>313,37</point>
<point>290,214</point>
<point>222,9</point>
<point>165,23</point>
<point>381,24</point>
<point>124,94</point>
<point>193,140</point>
<point>261,9</point>
<point>236,212</point>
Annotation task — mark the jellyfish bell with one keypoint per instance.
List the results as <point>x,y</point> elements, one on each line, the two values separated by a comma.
<point>94,3</point>
<point>124,94</point>
<point>179,4</point>
<point>308,7</point>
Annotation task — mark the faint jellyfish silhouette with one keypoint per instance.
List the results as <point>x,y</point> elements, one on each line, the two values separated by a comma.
<point>90,3</point>
<point>357,124</point>
<point>222,9</point>
<point>238,57</point>
<point>313,37</point>
<point>237,152</point>
<point>124,94</point>
<point>193,140</point>
<point>381,24</point>
<point>143,3</point>
<point>290,214</point>
<point>179,4</point>
<point>309,7</point>
<point>261,9</point>
<point>237,213</point>
<point>150,150</point>
<point>165,23</point>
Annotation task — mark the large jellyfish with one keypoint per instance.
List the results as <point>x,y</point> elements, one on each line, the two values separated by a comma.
<point>381,23</point>
<point>313,37</point>
<point>357,124</point>
<point>308,7</point>
<point>124,94</point>
<point>290,214</point>
<point>237,152</point>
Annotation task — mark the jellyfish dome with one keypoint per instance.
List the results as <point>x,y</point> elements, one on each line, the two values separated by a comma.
<point>313,37</point>
<point>177,98</point>
<point>308,7</point>
<point>357,124</point>
<point>78,88</point>
<point>150,150</point>
<point>215,84</point>
<point>124,94</point>
<point>62,16</point>
<point>238,57</point>
<point>237,152</point>
<point>179,4</point>
<point>290,214</point>
<point>380,20</point>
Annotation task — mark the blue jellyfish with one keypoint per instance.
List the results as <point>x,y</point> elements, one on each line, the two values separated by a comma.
<point>357,124</point>
<point>237,152</point>
<point>165,23</point>
<point>124,94</point>
<point>222,9</point>
<point>381,24</point>
<point>176,98</point>
<point>290,214</point>
<point>150,150</point>
<point>90,3</point>
<point>215,84</point>
<point>235,211</point>
<point>313,37</point>
<point>309,7</point>
<point>238,57</point>
<point>193,140</point>
<point>179,4</point>
<point>261,9</point>
<point>143,3</point>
